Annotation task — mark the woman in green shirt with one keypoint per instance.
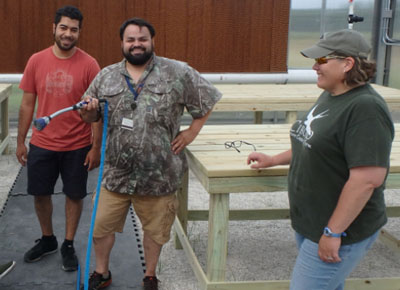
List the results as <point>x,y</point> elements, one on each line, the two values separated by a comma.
<point>339,160</point>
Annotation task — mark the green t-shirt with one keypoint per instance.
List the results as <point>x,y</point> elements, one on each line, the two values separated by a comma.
<point>338,133</point>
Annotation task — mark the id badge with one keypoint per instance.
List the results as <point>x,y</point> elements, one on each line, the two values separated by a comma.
<point>127,123</point>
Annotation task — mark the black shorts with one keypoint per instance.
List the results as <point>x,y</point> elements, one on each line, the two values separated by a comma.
<point>44,167</point>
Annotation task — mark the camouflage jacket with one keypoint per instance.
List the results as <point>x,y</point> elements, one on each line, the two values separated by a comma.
<point>139,159</point>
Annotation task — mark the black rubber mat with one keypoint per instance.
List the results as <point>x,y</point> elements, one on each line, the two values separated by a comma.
<point>19,228</point>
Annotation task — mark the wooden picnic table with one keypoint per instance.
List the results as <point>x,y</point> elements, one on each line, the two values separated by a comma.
<point>5,91</point>
<point>290,98</point>
<point>222,171</point>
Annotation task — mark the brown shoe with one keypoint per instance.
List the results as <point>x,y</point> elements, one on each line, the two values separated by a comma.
<point>150,283</point>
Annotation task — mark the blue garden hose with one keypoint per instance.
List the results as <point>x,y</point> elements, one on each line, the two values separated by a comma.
<point>78,279</point>
<point>96,201</point>
<point>40,124</point>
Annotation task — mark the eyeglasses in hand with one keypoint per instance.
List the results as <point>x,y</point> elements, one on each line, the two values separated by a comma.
<point>236,144</point>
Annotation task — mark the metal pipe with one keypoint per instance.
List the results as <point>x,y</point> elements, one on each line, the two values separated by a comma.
<point>351,12</point>
<point>388,23</point>
<point>292,76</point>
<point>10,78</point>
<point>322,25</point>
<point>379,49</point>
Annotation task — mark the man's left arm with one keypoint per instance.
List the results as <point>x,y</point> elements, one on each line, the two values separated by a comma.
<point>93,156</point>
<point>186,137</point>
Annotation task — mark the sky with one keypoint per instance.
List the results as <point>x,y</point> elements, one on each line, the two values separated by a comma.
<point>315,4</point>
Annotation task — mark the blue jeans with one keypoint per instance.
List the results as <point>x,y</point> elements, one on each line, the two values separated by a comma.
<point>311,273</point>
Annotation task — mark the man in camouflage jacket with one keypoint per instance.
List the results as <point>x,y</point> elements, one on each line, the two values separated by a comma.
<point>144,161</point>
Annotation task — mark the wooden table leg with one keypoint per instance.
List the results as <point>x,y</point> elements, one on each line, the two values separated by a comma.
<point>217,250</point>
<point>182,213</point>
<point>5,137</point>
<point>258,117</point>
<point>291,117</point>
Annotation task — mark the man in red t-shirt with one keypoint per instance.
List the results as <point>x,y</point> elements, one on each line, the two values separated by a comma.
<point>57,77</point>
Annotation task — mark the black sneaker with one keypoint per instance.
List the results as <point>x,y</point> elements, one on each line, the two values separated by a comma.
<point>69,258</point>
<point>96,281</point>
<point>6,268</point>
<point>150,283</point>
<point>41,249</point>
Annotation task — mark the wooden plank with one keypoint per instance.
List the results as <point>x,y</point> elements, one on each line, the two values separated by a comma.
<point>4,145</point>
<point>387,283</point>
<point>244,214</point>
<point>351,284</point>
<point>215,148</point>
<point>390,241</point>
<point>267,214</point>
<point>258,116</point>
<point>190,255</point>
<point>261,183</point>
<point>283,97</point>
<point>217,246</point>
<point>393,181</point>
<point>5,91</point>
<point>250,285</point>
<point>198,170</point>
<point>393,211</point>
<point>291,117</point>
<point>182,214</point>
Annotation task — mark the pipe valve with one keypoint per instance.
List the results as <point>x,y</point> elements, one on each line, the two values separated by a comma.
<point>354,18</point>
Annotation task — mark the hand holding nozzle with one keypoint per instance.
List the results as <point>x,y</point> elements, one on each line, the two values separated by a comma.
<point>90,109</point>
<point>88,104</point>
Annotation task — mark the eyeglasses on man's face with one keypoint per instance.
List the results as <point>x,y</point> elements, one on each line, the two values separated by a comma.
<point>236,144</point>
<point>324,59</point>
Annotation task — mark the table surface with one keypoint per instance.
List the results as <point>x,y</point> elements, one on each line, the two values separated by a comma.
<point>208,153</point>
<point>279,97</point>
<point>5,90</point>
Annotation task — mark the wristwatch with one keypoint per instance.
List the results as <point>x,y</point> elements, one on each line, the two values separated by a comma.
<point>329,233</point>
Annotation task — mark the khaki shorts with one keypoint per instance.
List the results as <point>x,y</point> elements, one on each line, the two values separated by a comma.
<point>156,214</point>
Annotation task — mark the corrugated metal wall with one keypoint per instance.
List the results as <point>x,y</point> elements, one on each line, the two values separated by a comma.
<point>211,35</point>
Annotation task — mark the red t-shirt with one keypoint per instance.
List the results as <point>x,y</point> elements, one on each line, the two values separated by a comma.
<point>58,84</point>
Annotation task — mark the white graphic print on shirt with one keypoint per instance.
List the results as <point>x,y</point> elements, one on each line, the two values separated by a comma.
<point>304,131</point>
<point>59,83</point>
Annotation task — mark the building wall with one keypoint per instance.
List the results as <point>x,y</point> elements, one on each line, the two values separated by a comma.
<point>211,35</point>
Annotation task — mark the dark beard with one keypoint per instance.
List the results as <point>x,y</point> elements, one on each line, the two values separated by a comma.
<point>137,59</point>
<point>58,42</point>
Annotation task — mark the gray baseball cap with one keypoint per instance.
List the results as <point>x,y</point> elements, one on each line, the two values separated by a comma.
<point>346,41</point>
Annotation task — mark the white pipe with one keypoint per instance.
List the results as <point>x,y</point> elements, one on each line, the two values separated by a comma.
<point>10,78</point>
<point>292,76</point>
<point>351,12</point>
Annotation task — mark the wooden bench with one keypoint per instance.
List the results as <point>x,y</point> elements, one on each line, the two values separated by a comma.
<point>223,171</point>
<point>5,91</point>
<point>290,98</point>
